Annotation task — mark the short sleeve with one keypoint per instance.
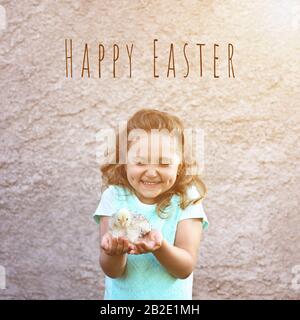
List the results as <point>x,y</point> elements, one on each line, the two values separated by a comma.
<point>194,210</point>
<point>106,205</point>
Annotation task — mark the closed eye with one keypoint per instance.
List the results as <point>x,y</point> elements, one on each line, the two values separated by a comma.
<point>165,162</point>
<point>140,161</point>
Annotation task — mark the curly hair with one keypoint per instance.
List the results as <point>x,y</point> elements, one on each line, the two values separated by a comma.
<point>148,119</point>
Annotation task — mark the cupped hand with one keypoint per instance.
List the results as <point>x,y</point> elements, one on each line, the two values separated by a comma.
<point>151,242</point>
<point>115,245</point>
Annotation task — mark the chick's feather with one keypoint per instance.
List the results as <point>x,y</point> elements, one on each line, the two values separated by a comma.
<point>132,226</point>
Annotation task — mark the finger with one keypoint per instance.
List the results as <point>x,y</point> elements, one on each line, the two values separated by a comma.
<point>106,241</point>
<point>114,244</point>
<point>152,236</point>
<point>120,245</point>
<point>103,243</point>
<point>135,251</point>
<point>108,248</point>
<point>156,238</point>
<point>131,246</point>
<point>150,246</point>
<point>141,247</point>
<point>132,249</point>
<point>125,245</point>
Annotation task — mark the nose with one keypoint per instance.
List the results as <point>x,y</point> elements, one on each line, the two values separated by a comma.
<point>151,171</point>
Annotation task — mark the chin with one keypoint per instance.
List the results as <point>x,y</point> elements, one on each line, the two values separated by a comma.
<point>150,193</point>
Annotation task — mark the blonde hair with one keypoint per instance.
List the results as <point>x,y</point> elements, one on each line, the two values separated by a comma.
<point>115,174</point>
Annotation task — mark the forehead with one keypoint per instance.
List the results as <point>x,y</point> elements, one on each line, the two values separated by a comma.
<point>154,142</point>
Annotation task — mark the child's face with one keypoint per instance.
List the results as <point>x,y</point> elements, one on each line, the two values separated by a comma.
<point>153,175</point>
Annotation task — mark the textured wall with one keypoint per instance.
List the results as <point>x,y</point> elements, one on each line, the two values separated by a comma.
<point>50,182</point>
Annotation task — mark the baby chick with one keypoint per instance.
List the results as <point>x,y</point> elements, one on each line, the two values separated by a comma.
<point>132,226</point>
<point>138,228</point>
<point>120,222</point>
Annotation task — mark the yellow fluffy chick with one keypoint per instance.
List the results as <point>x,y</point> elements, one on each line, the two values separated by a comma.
<point>132,226</point>
<point>119,223</point>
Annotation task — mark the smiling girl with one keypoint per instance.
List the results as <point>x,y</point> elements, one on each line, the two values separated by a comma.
<point>154,183</point>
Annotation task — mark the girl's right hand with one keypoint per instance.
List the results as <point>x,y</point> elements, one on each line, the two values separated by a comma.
<point>114,246</point>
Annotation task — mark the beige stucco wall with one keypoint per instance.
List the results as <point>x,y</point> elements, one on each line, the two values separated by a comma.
<point>50,182</point>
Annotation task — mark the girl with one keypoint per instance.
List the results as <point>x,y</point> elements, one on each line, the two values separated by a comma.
<point>160,266</point>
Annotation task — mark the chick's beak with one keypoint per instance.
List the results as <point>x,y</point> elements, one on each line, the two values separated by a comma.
<point>123,222</point>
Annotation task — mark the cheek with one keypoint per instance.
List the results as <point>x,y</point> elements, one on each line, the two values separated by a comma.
<point>133,173</point>
<point>170,175</point>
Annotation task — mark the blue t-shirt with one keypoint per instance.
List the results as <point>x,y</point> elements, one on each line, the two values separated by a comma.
<point>145,278</point>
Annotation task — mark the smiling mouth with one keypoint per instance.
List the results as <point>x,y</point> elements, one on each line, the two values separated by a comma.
<point>149,183</point>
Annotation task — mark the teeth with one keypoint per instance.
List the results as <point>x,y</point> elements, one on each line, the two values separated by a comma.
<point>145,182</point>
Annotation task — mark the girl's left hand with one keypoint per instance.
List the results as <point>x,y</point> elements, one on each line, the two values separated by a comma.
<point>149,243</point>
